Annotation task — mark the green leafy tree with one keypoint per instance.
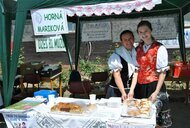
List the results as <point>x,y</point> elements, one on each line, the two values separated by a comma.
<point>21,56</point>
<point>87,67</point>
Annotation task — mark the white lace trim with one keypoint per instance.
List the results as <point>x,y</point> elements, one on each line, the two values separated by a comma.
<point>111,8</point>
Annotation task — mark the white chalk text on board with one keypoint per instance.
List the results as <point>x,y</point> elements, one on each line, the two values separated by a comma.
<point>50,44</point>
<point>49,21</point>
<point>164,27</point>
<point>96,31</point>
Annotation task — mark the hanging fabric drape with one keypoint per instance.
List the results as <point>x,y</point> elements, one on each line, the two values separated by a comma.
<point>111,8</point>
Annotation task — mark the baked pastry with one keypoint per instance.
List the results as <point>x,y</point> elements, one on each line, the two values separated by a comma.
<point>134,112</point>
<point>131,103</point>
<point>139,107</point>
<point>67,107</point>
<point>91,107</point>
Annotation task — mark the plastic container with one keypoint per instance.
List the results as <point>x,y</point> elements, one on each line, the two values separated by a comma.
<point>181,69</point>
<point>177,69</point>
<point>114,102</point>
<point>45,93</point>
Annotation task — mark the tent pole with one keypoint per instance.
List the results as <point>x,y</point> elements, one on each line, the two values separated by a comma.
<point>3,52</point>
<point>181,36</point>
<point>172,3</point>
<point>2,8</point>
<point>18,34</point>
<point>186,8</point>
<point>77,42</point>
<point>67,50</point>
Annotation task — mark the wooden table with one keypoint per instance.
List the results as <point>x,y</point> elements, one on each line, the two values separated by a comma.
<point>51,79</point>
<point>185,79</point>
<point>47,79</point>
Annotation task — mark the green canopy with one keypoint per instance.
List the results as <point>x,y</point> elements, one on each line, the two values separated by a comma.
<point>21,9</point>
<point>4,46</point>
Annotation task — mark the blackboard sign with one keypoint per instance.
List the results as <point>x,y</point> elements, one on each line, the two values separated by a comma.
<point>119,25</point>
<point>174,43</point>
<point>164,27</point>
<point>96,31</point>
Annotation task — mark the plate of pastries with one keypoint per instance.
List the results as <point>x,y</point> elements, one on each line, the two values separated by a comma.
<point>137,108</point>
<point>72,107</point>
<point>67,107</point>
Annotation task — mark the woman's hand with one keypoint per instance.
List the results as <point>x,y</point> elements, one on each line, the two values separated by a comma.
<point>130,94</point>
<point>124,96</point>
<point>153,97</point>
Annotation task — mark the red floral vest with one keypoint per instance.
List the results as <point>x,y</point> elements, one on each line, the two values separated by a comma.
<point>147,63</point>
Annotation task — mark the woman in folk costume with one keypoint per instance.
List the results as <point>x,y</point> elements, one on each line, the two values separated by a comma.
<point>121,64</point>
<point>148,80</point>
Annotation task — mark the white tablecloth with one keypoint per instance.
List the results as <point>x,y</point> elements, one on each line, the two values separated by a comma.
<point>102,117</point>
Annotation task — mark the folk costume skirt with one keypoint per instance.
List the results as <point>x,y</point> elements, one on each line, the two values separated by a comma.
<point>114,91</point>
